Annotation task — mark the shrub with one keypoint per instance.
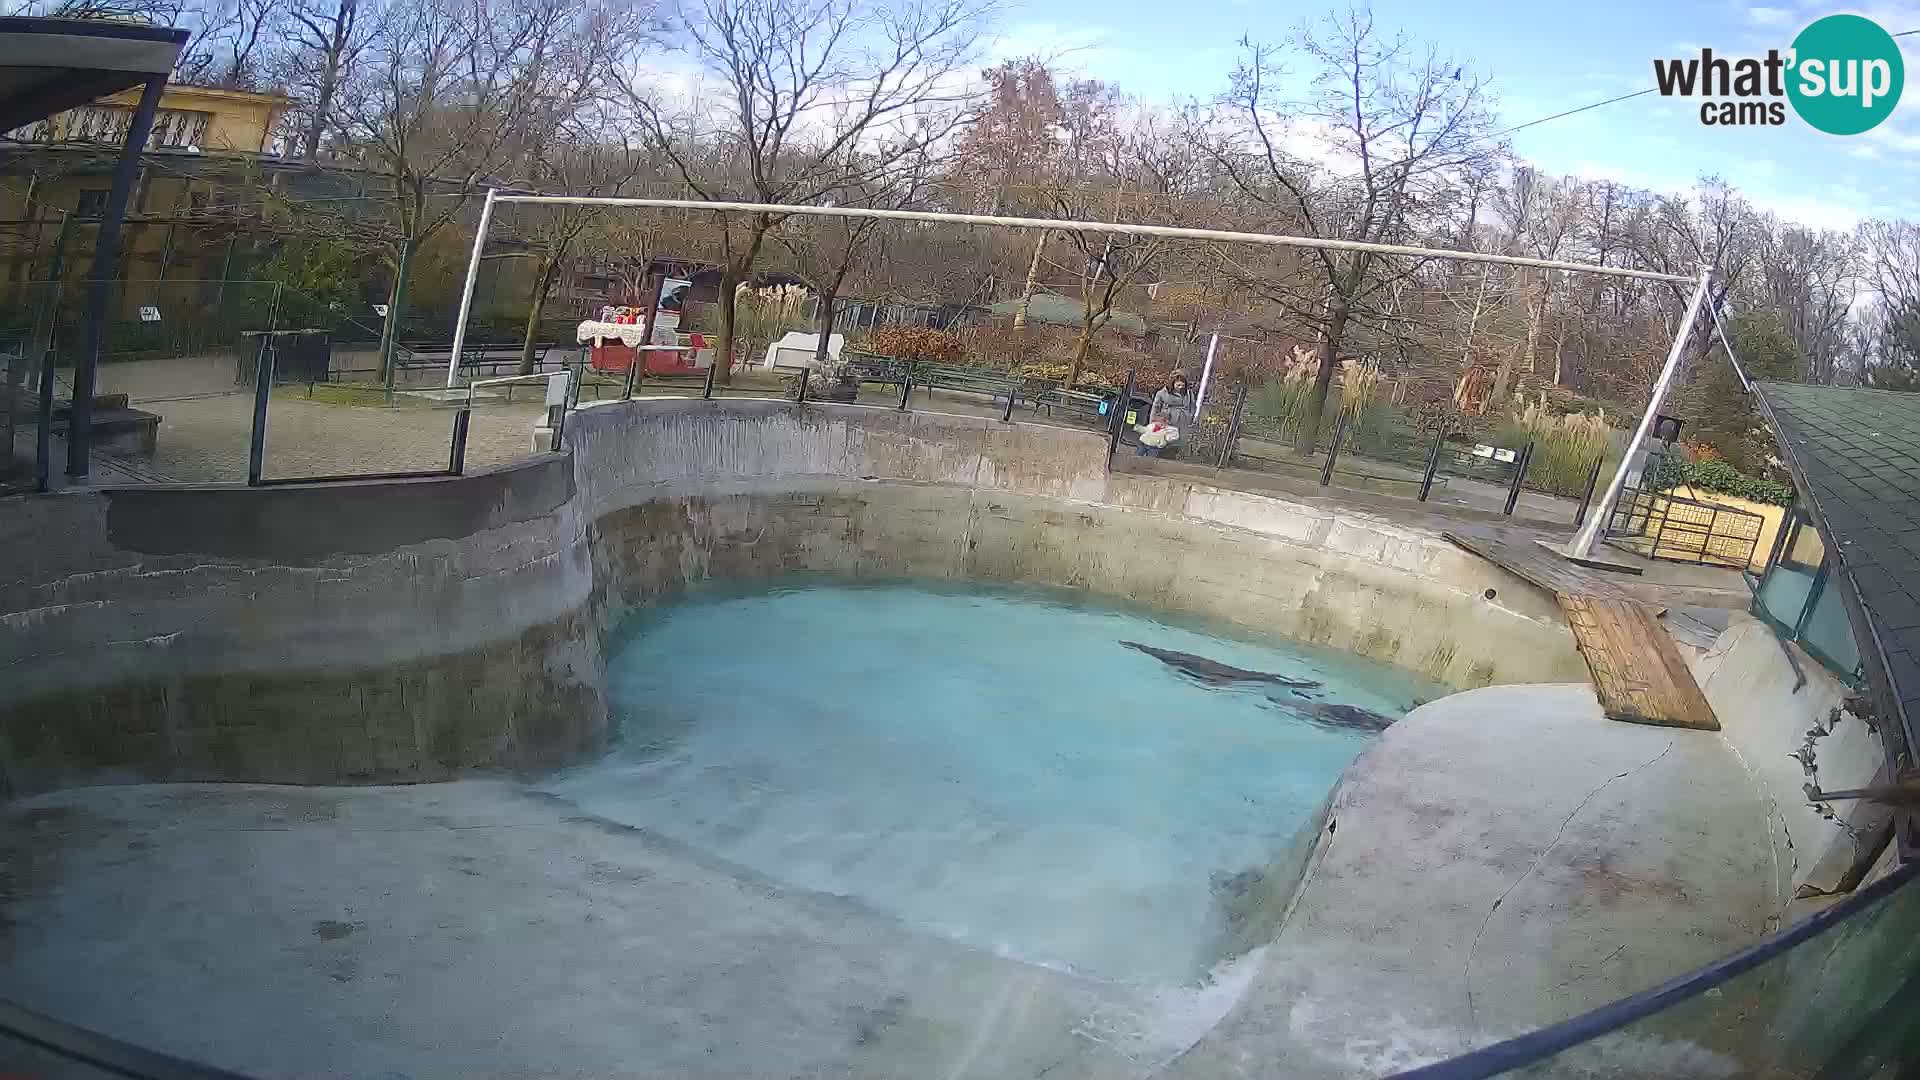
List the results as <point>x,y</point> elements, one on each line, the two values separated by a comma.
<point>918,343</point>
<point>1564,446</point>
<point>1719,476</point>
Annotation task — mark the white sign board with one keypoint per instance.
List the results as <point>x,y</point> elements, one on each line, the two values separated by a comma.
<point>1497,453</point>
<point>149,313</point>
<point>673,293</point>
<point>380,310</point>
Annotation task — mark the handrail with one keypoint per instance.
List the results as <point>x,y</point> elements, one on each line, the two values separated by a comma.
<point>100,1051</point>
<point>1538,1045</point>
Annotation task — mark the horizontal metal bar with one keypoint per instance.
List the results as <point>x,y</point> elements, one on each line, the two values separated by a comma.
<point>100,1051</point>
<point>540,376</point>
<point>1550,1040</point>
<point>1172,231</point>
<point>418,474</point>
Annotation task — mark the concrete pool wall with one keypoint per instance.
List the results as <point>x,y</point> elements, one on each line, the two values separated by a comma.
<point>408,630</point>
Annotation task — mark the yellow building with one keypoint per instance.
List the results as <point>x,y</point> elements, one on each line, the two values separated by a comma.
<point>207,148</point>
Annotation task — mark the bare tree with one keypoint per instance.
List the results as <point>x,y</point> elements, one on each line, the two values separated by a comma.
<point>586,155</point>
<point>800,83</point>
<point>325,42</point>
<point>1394,124</point>
<point>822,252</point>
<point>1811,280</point>
<point>441,102</point>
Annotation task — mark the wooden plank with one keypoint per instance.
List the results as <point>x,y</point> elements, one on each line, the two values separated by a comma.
<point>1638,672</point>
<point>1536,565</point>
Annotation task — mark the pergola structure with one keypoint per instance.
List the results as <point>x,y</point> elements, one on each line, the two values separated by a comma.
<point>48,66</point>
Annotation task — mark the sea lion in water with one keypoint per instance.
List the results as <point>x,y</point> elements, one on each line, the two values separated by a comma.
<point>1212,672</point>
<point>1346,716</point>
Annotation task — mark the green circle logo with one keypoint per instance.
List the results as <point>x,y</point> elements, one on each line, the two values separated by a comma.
<point>1846,74</point>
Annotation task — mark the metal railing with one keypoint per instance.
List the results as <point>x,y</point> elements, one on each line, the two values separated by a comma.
<point>1654,523</point>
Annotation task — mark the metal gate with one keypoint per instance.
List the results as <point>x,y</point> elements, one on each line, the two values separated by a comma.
<point>1657,524</point>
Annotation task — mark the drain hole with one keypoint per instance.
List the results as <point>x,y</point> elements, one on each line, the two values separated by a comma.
<point>1488,594</point>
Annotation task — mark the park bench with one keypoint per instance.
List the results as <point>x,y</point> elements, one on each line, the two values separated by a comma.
<point>483,361</point>
<point>878,369</point>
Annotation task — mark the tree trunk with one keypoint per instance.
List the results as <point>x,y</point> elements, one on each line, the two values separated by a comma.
<point>738,269</point>
<point>397,307</point>
<point>1080,348</point>
<point>323,101</point>
<point>822,327</point>
<point>536,306</point>
<point>723,351</point>
<point>1033,274</point>
<point>1330,335</point>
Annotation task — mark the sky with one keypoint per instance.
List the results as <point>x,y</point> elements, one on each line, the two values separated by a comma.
<point>1544,59</point>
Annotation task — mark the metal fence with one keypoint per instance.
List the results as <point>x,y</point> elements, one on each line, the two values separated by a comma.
<point>1662,525</point>
<point>1654,523</point>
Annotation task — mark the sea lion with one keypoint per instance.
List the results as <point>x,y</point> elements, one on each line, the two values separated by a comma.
<point>1212,672</point>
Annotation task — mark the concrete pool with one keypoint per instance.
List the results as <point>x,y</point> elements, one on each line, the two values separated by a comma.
<point>992,765</point>
<point>211,686</point>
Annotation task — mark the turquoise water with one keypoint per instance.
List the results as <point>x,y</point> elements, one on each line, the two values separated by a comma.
<point>989,765</point>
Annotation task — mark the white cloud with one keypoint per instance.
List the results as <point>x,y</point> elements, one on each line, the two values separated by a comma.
<point>1892,138</point>
<point>1769,16</point>
<point>1840,207</point>
<point>1865,152</point>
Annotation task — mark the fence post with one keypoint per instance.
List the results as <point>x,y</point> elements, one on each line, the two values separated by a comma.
<point>457,457</point>
<point>43,440</point>
<point>1119,419</point>
<point>1233,427</point>
<point>1519,476</point>
<point>1333,449</point>
<point>707,391</point>
<point>1433,464</point>
<point>906,387</point>
<point>637,369</point>
<point>801,398</point>
<point>262,388</point>
<point>1666,511</point>
<point>1586,500</point>
<point>1007,417</point>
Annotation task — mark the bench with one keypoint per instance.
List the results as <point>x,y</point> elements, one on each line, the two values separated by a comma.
<point>118,430</point>
<point>482,361</point>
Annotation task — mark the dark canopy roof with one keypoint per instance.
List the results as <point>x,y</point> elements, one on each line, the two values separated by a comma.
<point>47,65</point>
<point>1855,458</point>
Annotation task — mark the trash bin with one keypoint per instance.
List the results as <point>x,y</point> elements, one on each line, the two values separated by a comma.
<point>299,356</point>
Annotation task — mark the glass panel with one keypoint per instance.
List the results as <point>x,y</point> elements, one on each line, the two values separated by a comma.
<point>1828,635</point>
<point>1839,1006</point>
<point>1783,595</point>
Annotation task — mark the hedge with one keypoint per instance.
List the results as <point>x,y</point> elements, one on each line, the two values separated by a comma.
<point>1719,476</point>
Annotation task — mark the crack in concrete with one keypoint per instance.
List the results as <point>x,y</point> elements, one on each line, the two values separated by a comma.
<point>1466,974</point>
<point>1593,970</point>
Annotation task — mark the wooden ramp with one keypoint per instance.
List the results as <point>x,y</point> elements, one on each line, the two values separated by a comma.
<point>1638,671</point>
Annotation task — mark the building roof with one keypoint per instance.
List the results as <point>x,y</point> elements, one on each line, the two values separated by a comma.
<point>1053,309</point>
<point>1855,458</point>
<point>50,65</point>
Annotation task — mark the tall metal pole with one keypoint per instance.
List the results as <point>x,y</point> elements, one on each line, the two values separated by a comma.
<point>1106,227</point>
<point>466,291</point>
<point>1206,373</point>
<point>1581,546</point>
<point>106,260</point>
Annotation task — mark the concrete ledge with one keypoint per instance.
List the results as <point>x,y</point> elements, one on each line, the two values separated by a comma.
<point>1458,897</point>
